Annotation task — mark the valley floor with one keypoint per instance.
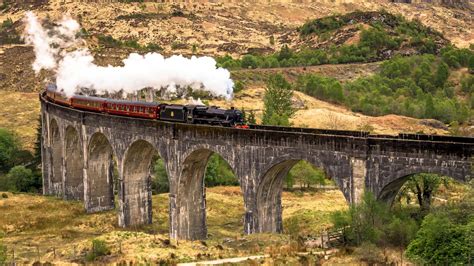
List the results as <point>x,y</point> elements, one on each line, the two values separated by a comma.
<point>47,229</point>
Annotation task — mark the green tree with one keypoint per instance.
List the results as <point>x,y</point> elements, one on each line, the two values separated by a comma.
<point>467,84</point>
<point>21,179</point>
<point>272,40</point>
<point>424,186</point>
<point>211,177</point>
<point>471,64</point>
<point>3,250</point>
<point>38,144</point>
<point>251,118</point>
<point>277,102</point>
<point>440,241</point>
<point>442,74</point>
<point>99,248</point>
<point>285,53</point>
<point>305,174</point>
<point>429,107</point>
<point>219,173</point>
<point>364,222</point>
<point>160,183</point>
<point>249,61</point>
<point>238,86</point>
<point>400,233</point>
<point>9,148</point>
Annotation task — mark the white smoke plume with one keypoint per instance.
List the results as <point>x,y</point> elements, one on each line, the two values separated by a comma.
<point>76,70</point>
<point>49,44</point>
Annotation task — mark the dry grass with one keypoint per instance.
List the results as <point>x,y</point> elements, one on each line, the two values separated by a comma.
<point>20,112</point>
<point>63,231</point>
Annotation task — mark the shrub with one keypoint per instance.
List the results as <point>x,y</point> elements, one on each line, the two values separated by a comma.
<point>219,173</point>
<point>3,250</point>
<point>440,241</point>
<point>238,86</point>
<point>108,41</point>
<point>4,6</point>
<point>306,175</point>
<point>371,222</point>
<point>9,148</point>
<point>322,25</point>
<point>248,61</point>
<point>277,102</point>
<point>467,84</point>
<point>370,253</point>
<point>21,179</point>
<point>99,249</point>
<point>3,253</point>
<point>160,183</point>
<point>376,38</point>
<point>153,47</point>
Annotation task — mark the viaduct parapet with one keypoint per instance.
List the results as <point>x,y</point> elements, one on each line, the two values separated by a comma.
<point>81,150</point>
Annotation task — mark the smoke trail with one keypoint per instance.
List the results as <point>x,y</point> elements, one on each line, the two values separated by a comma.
<point>76,69</point>
<point>49,44</point>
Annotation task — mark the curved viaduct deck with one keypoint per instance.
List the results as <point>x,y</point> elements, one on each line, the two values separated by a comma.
<point>80,150</point>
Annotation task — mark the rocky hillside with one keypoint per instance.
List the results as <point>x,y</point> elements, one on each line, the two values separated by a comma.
<point>234,27</point>
<point>113,29</point>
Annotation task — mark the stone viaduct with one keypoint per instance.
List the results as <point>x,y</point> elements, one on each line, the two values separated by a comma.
<point>80,150</point>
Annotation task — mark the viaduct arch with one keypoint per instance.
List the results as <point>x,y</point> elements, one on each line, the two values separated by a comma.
<point>82,149</point>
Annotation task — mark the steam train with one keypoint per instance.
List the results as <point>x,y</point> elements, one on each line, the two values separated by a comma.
<point>193,114</point>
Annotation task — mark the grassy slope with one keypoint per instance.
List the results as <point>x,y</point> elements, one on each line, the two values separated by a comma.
<point>20,112</point>
<point>53,224</point>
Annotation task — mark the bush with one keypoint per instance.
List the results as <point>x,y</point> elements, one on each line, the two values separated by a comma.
<point>248,61</point>
<point>305,175</point>
<point>4,6</point>
<point>160,183</point>
<point>372,222</point>
<point>219,173</point>
<point>467,84</point>
<point>328,89</point>
<point>376,38</point>
<point>99,249</point>
<point>152,47</point>
<point>238,86</point>
<point>20,179</point>
<point>277,102</point>
<point>3,253</point>
<point>413,86</point>
<point>3,250</point>
<point>369,253</point>
<point>108,41</point>
<point>9,148</point>
<point>440,241</point>
<point>321,25</point>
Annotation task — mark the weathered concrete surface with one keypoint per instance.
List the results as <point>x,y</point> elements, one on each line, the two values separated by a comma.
<point>260,158</point>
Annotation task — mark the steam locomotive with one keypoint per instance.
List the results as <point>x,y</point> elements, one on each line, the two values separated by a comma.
<point>193,114</point>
